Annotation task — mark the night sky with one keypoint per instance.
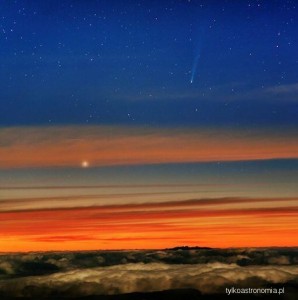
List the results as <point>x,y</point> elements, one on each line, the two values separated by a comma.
<point>110,109</point>
<point>131,62</point>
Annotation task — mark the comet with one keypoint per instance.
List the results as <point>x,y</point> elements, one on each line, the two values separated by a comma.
<point>198,45</point>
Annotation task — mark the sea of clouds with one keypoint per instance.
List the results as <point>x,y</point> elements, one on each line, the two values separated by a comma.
<point>116,272</point>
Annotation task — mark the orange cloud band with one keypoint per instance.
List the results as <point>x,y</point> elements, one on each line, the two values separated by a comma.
<point>209,223</point>
<point>105,146</point>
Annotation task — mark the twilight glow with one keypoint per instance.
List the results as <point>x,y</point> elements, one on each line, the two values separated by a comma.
<point>148,124</point>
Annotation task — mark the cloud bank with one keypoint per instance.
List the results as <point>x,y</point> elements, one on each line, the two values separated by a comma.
<point>140,277</point>
<point>76,274</point>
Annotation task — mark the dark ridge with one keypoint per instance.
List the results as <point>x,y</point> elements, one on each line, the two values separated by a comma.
<point>189,248</point>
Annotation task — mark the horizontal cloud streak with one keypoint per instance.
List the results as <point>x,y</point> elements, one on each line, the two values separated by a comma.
<point>68,202</point>
<point>283,89</point>
<point>154,225</point>
<point>105,146</point>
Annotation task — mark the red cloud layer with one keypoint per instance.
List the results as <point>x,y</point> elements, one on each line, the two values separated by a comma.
<point>150,226</point>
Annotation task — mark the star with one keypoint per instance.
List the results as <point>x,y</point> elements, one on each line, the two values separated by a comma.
<point>84,164</point>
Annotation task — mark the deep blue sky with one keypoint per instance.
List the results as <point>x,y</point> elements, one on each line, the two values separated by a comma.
<point>130,62</point>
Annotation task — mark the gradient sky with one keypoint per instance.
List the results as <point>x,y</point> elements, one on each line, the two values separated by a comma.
<point>148,124</point>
